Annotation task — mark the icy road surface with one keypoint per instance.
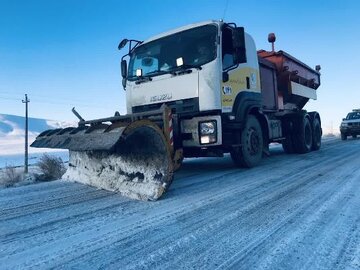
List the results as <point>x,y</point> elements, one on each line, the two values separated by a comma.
<point>292,212</point>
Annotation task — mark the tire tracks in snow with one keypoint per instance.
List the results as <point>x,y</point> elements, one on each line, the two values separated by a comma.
<point>199,211</point>
<point>219,228</point>
<point>216,202</point>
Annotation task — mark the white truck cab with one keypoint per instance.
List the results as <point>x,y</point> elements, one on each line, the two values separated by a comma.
<point>188,63</point>
<point>194,67</point>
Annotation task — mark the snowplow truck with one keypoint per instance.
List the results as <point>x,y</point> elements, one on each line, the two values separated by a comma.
<point>202,90</point>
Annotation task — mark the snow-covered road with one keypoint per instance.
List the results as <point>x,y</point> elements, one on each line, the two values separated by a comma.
<point>291,212</point>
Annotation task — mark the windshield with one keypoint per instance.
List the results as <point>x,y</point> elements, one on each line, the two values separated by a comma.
<point>196,46</point>
<point>353,116</point>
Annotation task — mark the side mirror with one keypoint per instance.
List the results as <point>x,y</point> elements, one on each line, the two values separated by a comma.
<point>123,68</point>
<point>123,43</point>
<point>238,39</point>
<point>344,119</point>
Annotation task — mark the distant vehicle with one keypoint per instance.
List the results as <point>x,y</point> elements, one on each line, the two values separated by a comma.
<point>350,126</point>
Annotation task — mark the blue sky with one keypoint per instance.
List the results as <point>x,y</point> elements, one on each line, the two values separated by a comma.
<point>64,53</point>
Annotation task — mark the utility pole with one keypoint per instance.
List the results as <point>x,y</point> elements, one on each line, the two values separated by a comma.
<point>26,101</point>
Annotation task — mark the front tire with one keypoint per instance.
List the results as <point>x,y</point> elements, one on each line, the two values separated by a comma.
<point>354,136</point>
<point>249,154</point>
<point>343,136</point>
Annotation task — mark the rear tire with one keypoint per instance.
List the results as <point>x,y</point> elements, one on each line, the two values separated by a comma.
<point>303,136</point>
<point>249,154</point>
<point>343,137</point>
<point>316,134</point>
<point>288,145</point>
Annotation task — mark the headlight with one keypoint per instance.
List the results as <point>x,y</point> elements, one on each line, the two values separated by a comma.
<point>207,127</point>
<point>208,132</point>
<point>344,124</point>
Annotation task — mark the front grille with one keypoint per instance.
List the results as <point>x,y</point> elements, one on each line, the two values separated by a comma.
<point>179,106</point>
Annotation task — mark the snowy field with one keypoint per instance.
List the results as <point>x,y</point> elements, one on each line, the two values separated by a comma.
<point>17,160</point>
<point>12,139</point>
<point>291,212</point>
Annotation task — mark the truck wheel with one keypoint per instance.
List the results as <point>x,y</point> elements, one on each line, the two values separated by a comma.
<point>354,136</point>
<point>250,152</point>
<point>288,143</point>
<point>303,135</point>
<point>316,134</point>
<point>343,136</point>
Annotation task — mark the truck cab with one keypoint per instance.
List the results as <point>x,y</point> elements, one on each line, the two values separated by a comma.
<point>198,70</point>
<point>188,63</point>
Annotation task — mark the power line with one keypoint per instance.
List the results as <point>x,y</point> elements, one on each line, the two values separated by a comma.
<point>69,102</point>
<point>44,96</point>
<point>11,93</point>
<point>10,98</point>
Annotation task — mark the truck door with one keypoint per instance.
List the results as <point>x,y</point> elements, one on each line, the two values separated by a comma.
<point>240,68</point>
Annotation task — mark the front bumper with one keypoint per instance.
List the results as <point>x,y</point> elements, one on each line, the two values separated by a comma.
<point>351,130</point>
<point>191,135</point>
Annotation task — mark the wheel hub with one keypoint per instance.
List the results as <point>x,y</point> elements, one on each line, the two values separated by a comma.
<point>254,143</point>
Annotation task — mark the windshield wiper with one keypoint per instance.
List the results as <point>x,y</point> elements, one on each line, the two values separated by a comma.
<point>180,70</point>
<point>143,79</point>
<point>155,72</point>
<point>198,67</point>
<point>184,69</point>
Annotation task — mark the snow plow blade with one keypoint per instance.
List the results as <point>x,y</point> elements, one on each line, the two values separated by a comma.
<point>134,159</point>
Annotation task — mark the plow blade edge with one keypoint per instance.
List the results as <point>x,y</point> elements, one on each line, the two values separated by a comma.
<point>134,160</point>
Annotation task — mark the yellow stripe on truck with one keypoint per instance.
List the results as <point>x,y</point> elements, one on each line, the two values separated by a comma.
<point>236,84</point>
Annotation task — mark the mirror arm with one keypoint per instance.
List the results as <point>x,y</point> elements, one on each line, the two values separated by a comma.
<point>122,58</point>
<point>137,43</point>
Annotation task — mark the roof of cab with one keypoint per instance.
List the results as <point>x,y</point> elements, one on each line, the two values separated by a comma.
<point>179,29</point>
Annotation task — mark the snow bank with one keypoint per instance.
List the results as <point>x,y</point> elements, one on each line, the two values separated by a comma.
<point>141,179</point>
<point>12,133</point>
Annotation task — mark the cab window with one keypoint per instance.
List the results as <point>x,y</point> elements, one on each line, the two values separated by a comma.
<point>227,48</point>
